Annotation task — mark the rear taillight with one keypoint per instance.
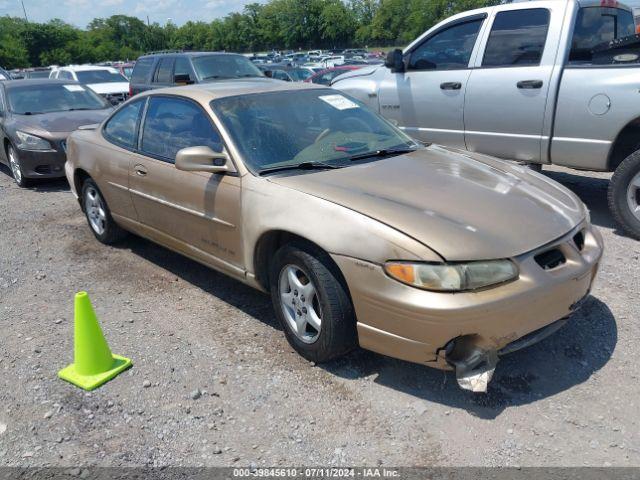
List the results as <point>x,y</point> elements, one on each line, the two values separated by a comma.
<point>130,91</point>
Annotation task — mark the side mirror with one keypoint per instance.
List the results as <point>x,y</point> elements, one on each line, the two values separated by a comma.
<point>268,73</point>
<point>203,159</point>
<point>183,79</point>
<point>395,61</point>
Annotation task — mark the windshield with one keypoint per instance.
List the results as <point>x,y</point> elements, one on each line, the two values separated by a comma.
<point>46,98</point>
<point>211,67</point>
<point>277,129</point>
<point>38,74</point>
<point>99,76</point>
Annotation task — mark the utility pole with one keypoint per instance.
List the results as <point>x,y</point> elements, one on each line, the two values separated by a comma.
<point>24,10</point>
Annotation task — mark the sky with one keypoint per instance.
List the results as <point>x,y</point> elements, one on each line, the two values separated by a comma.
<point>81,12</point>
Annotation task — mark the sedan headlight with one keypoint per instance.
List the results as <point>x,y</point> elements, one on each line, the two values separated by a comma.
<point>452,277</point>
<point>31,142</point>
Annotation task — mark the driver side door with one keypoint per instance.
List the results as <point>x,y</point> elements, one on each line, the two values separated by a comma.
<point>427,100</point>
<point>196,213</point>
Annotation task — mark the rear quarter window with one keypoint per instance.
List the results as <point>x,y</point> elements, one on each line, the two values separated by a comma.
<point>142,70</point>
<point>595,27</point>
<point>122,127</point>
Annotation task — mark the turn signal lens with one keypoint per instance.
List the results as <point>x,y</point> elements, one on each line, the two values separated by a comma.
<point>401,271</point>
<point>454,277</point>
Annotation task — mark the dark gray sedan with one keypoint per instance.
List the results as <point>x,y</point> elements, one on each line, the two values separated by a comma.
<point>36,117</point>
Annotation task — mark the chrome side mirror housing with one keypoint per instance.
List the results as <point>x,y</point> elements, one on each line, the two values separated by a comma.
<point>204,159</point>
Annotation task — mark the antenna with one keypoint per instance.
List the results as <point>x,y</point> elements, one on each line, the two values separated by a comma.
<point>24,10</point>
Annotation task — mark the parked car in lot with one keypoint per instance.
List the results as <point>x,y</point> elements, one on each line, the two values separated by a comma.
<point>4,75</point>
<point>286,73</point>
<point>105,81</point>
<point>32,73</point>
<point>165,69</point>
<point>36,116</point>
<point>361,235</point>
<point>325,77</point>
<point>542,82</point>
<point>125,69</point>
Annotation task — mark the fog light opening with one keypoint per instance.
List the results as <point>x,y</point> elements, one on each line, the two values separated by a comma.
<point>473,364</point>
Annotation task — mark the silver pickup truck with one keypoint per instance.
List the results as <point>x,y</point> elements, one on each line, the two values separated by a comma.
<point>542,82</point>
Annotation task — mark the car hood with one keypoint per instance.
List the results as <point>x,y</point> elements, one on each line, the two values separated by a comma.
<point>58,124</point>
<point>109,87</point>
<point>461,205</point>
<point>360,72</point>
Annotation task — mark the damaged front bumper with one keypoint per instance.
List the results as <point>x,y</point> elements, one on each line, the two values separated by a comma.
<point>474,365</point>
<point>419,326</point>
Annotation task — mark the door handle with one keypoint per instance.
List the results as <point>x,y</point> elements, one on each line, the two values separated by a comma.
<point>530,84</point>
<point>140,170</point>
<point>451,86</point>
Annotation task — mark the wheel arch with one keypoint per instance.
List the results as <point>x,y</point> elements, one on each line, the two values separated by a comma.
<point>271,241</point>
<point>79,177</point>
<point>627,142</point>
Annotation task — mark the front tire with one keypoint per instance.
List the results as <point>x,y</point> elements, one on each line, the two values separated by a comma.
<point>16,168</point>
<point>624,195</point>
<point>95,208</point>
<point>312,303</point>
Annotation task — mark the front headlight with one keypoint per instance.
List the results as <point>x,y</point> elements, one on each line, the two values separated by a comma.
<point>31,142</point>
<point>452,277</point>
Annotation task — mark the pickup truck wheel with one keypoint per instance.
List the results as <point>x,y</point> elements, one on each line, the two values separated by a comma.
<point>311,303</point>
<point>98,215</point>
<point>624,194</point>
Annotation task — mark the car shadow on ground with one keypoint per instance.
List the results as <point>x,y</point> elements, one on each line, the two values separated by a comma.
<point>250,301</point>
<point>593,192</point>
<point>44,185</point>
<point>566,359</point>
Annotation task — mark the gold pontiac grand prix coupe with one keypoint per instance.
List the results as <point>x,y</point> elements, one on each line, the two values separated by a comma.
<point>361,236</point>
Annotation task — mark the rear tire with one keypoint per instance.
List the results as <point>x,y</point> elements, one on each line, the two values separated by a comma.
<point>624,195</point>
<point>104,228</point>
<point>312,303</point>
<point>16,168</point>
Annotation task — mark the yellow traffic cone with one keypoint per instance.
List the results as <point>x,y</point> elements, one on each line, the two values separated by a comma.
<point>94,364</point>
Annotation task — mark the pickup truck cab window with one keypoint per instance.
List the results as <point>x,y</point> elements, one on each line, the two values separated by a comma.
<point>517,38</point>
<point>596,26</point>
<point>447,50</point>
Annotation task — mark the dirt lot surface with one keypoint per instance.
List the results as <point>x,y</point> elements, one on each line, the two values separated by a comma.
<point>215,383</point>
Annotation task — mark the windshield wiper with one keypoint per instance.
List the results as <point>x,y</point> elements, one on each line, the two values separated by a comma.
<point>299,166</point>
<point>385,152</point>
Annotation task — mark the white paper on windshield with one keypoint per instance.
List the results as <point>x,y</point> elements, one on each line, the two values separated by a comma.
<point>338,101</point>
<point>74,88</point>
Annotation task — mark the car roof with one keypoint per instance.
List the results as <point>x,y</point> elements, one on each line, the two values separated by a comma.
<point>9,84</point>
<point>84,68</point>
<point>205,92</point>
<point>188,54</point>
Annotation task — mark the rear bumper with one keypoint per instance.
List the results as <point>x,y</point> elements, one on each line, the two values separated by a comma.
<point>415,325</point>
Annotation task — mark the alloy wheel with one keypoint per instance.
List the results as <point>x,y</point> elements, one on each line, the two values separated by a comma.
<point>96,212</point>
<point>300,303</point>
<point>15,166</point>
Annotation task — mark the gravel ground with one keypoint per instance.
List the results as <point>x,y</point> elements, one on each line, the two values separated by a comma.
<point>215,383</point>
